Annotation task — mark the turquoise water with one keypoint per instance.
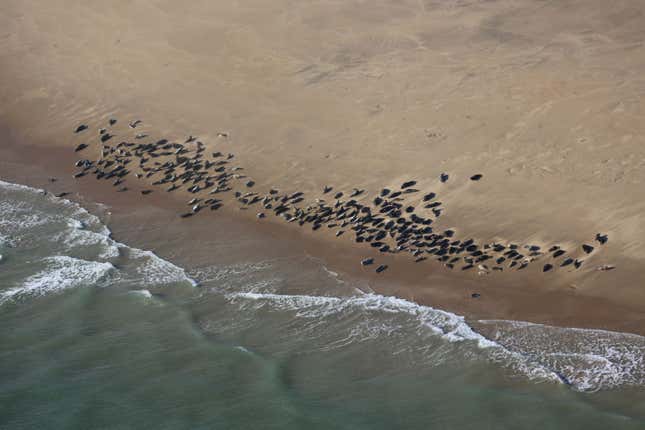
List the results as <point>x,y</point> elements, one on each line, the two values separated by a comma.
<point>98,334</point>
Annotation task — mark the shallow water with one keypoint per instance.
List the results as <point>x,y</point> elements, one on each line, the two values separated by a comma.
<point>98,334</point>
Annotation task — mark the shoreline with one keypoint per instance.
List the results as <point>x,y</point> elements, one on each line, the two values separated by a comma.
<point>550,119</point>
<point>517,299</point>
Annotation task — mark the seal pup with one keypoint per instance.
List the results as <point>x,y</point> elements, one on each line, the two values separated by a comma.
<point>146,192</point>
<point>547,267</point>
<point>80,128</point>
<point>112,121</point>
<point>601,238</point>
<point>80,147</point>
<point>327,189</point>
<point>443,177</point>
<point>408,184</point>
<point>135,123</point>
<point>381,268</point>
<point>367,261</point>
<point>588,249</point>
<point>476,177</point>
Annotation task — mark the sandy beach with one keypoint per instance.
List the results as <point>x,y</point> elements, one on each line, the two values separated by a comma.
<point>542,99</point>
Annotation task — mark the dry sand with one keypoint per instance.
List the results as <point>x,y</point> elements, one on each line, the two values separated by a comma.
<point>543,98</point>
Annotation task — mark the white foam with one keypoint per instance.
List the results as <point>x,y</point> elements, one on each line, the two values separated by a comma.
<point>589,359</point>
<point>448,326</point>
<point>333,275</point>
<point>83,229</point>
<point>144,293</point>
<point>62,272</point>
<point>219,273</point>
<point>156,270</point>
<point>77,236</point>
<point>17,187</point>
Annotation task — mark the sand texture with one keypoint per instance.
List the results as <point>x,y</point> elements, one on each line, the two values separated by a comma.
<point>544,99</point>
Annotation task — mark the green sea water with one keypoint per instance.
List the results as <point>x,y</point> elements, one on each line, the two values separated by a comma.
<point>96,334</point>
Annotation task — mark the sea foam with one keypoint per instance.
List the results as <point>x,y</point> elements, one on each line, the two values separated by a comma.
<point>586,360</point>
<point>76,232</point>
<point>62,272</point>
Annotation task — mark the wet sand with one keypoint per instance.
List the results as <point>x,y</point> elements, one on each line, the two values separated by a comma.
<point>520,297</point>
<point>413,90</point>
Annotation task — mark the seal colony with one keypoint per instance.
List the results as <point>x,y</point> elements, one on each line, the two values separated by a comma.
<point>395,221</point>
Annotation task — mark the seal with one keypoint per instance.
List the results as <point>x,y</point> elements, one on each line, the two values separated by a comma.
<point>558,253</point>
<point>80,128</point>
<point>381,268</point>
<point>429,197</point>
<point>601,238</point>
<point>568,261</point>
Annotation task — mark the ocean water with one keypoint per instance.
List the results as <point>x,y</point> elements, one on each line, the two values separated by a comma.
<point>98,334</point>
